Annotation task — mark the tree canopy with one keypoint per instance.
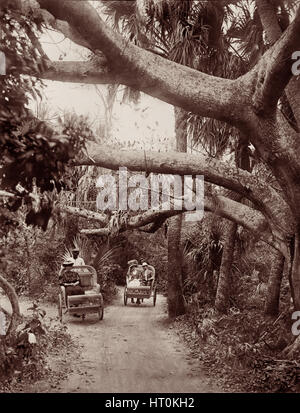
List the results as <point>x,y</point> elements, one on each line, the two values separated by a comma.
<point>254,95</point>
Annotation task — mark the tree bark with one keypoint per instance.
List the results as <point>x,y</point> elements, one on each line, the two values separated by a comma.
<point>176,304</point>
<point>267,13</point>
<point>242,160</point>
<point>243,102</point>
<point>223,288</point>
<point>274,283</point>
<point>295,272</point>
<point>13,298</point>
<point>214,171</point>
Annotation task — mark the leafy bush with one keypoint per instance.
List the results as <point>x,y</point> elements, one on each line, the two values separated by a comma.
<point>23,354</point>
<point>106,275</point>
<point>243,347</point>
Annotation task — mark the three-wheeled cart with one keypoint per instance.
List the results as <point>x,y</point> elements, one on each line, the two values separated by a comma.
<point>139,288</point>
<point>89,302</point>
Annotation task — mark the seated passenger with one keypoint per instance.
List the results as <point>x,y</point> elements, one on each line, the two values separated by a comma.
<point>132,272</point>
<point>134,276</point>
<point>148,274</point>
<point>70,279</point>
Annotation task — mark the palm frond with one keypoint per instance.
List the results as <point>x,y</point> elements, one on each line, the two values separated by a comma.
<point>107,256</point>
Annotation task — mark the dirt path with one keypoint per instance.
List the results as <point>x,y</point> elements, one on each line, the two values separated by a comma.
<point>131,350</point>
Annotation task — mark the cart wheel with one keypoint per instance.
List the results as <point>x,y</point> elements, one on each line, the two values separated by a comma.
<point>60,309</point>
<point>125,297</point>
<point>154,297</point>
<point>101,313</point>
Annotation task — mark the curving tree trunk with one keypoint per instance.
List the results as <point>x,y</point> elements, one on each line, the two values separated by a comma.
<point>274,283</point>
<point>223,289</point>
<point>13,298</point>
<point>270,22</point>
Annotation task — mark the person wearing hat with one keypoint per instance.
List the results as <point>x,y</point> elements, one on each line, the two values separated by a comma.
<point>78,261</point>
<point>133,275</point>
<point>69,279</point>
<point>148,273</point>
<point>68,263</point>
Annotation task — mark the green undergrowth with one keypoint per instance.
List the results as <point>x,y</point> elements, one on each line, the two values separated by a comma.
<point>24,355</point>
<point>242,349</point>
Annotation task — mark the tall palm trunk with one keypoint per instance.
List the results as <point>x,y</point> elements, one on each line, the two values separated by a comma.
<point>224,283</point>
<point>294,273</point>
<point>274,283</point>
<point>242,160</point>
<point>176,305</point>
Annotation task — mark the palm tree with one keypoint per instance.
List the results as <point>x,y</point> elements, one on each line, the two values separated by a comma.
<point>205,36</point>
<point>176,304</point>
<point>190,33</point>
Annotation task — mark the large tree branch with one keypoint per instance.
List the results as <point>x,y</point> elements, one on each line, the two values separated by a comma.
<point>200,93</point>
<point>64,28</point>
<point>249,218</point>
<point>95,71</point>
<point>32,9</point>
<point>192,90</point>
<point>241,214</point>
<point>175,84</point>
<point>269,19</point>
<point>83,213</point>
<point>274,69</point>
<point>219,173</point>
<point>92,72</point>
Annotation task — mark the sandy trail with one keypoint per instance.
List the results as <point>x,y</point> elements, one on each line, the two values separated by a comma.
<point>132,350</point>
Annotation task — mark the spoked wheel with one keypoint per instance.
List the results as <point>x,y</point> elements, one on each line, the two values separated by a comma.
<point>125,297</point>
<point>154,297</point>
<point>101,313</point>
<point>60,309</point>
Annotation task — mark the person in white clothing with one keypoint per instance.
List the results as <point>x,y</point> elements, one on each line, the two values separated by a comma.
<point>78,261</point>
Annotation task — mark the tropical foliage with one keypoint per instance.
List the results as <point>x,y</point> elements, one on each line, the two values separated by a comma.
<point>229,79</point>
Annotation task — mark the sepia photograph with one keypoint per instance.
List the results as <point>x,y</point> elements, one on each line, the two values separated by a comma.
<point>149,200</point>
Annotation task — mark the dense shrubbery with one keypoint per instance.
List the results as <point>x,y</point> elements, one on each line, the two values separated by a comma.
<point>32,257</point>
<point>107,276</point>
<point>23,354</point>
<point>244,347</point>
